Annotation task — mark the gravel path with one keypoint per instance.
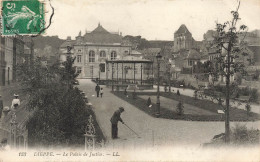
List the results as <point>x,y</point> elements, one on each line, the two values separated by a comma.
<point>153,131</point>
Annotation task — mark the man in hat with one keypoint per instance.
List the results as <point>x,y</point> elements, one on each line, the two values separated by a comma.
<point>114,120</point>
<point>1,106</point>
<point>15,102</point>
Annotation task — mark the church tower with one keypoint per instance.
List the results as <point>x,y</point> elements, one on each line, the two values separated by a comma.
<point>182,39</point>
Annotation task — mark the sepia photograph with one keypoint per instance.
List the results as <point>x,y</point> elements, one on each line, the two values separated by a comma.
<point>129,80</point>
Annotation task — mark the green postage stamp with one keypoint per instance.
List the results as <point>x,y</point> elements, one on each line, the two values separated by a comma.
<point>23,17</point>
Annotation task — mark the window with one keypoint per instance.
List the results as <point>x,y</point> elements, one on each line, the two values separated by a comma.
<point>79,70</point>
<point>126,52</point>
<point>79,50</point>
<point>91,56</point>
<point>102,67</point>
<point>190,63</point>
<point>102,54</point>
<point>135,70</point>
<point>79,58</point>
<point>113,55</point>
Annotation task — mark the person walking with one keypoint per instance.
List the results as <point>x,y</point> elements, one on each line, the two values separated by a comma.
<point>97,89</point>
<point>1,106</point>
<point>16,102</point>
<point>101,92</point>
<point>125,92</point>
<point>114,121</point>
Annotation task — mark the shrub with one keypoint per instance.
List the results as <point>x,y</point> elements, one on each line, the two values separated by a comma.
<point>248,108</point>
<point>180,108</point>
<point>178,93</point>
<point>253,95</point>
<point>134,95</point>
<point>196,94</point>
<point>149,102</point>
<point>241,135</point>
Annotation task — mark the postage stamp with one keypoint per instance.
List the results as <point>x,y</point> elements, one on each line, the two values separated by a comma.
<point>22,17</point>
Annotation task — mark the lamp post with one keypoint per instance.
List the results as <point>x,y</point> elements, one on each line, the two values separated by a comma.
<point>112,76</point>
<point>169,66</point>
<point>158,58</point>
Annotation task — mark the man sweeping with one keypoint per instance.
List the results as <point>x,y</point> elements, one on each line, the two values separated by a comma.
<point>114,120</point>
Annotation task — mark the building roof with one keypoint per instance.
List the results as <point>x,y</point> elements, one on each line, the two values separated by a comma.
<point>99,30</point>
<point>151,51</point>
<point>256,51</point>
<point>182,29</point>
<point>68,42</point>
<point>193,54</point>
<point>130,59</point>
<point>134,52</point>
<point>102,36</point>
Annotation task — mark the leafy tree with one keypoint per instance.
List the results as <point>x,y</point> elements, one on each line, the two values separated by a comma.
<point>58,114</point>
<point>69,73</point>
<point>228,47</point>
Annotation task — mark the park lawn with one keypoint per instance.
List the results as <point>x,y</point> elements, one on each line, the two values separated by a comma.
<point>235,114</point>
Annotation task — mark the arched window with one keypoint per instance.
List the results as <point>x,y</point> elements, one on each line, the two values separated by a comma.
<point>91,56</point>
<point>102,54</point>
<point>113,55</point>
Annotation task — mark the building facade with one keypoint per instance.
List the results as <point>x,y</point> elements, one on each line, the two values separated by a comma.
<point>18,53</point>
<point>6,62</point>
<point>93,50</point>
<point>14,50</point>
<point>2,61</point>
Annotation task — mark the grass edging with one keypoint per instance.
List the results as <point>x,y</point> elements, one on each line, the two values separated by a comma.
<point>239,115</point>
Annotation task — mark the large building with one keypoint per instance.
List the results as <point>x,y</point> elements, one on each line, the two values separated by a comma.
<point>95,50</point>
<point>14,50</point>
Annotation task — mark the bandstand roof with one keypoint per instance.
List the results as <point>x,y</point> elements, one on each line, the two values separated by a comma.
<point>130,61</point>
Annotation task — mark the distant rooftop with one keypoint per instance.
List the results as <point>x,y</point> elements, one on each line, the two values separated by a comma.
<point>182,29</point>
<point>101,36</point>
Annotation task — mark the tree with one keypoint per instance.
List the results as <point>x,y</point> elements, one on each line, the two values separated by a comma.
<point>69,73</point>
<point>59,114</point>
<point>195,94</point>
<point>227,45</point>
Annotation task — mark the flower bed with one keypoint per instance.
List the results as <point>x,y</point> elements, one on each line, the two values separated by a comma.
<point>235,114</point>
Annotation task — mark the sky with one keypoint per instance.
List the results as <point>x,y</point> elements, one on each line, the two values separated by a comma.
<point>151,19</point>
